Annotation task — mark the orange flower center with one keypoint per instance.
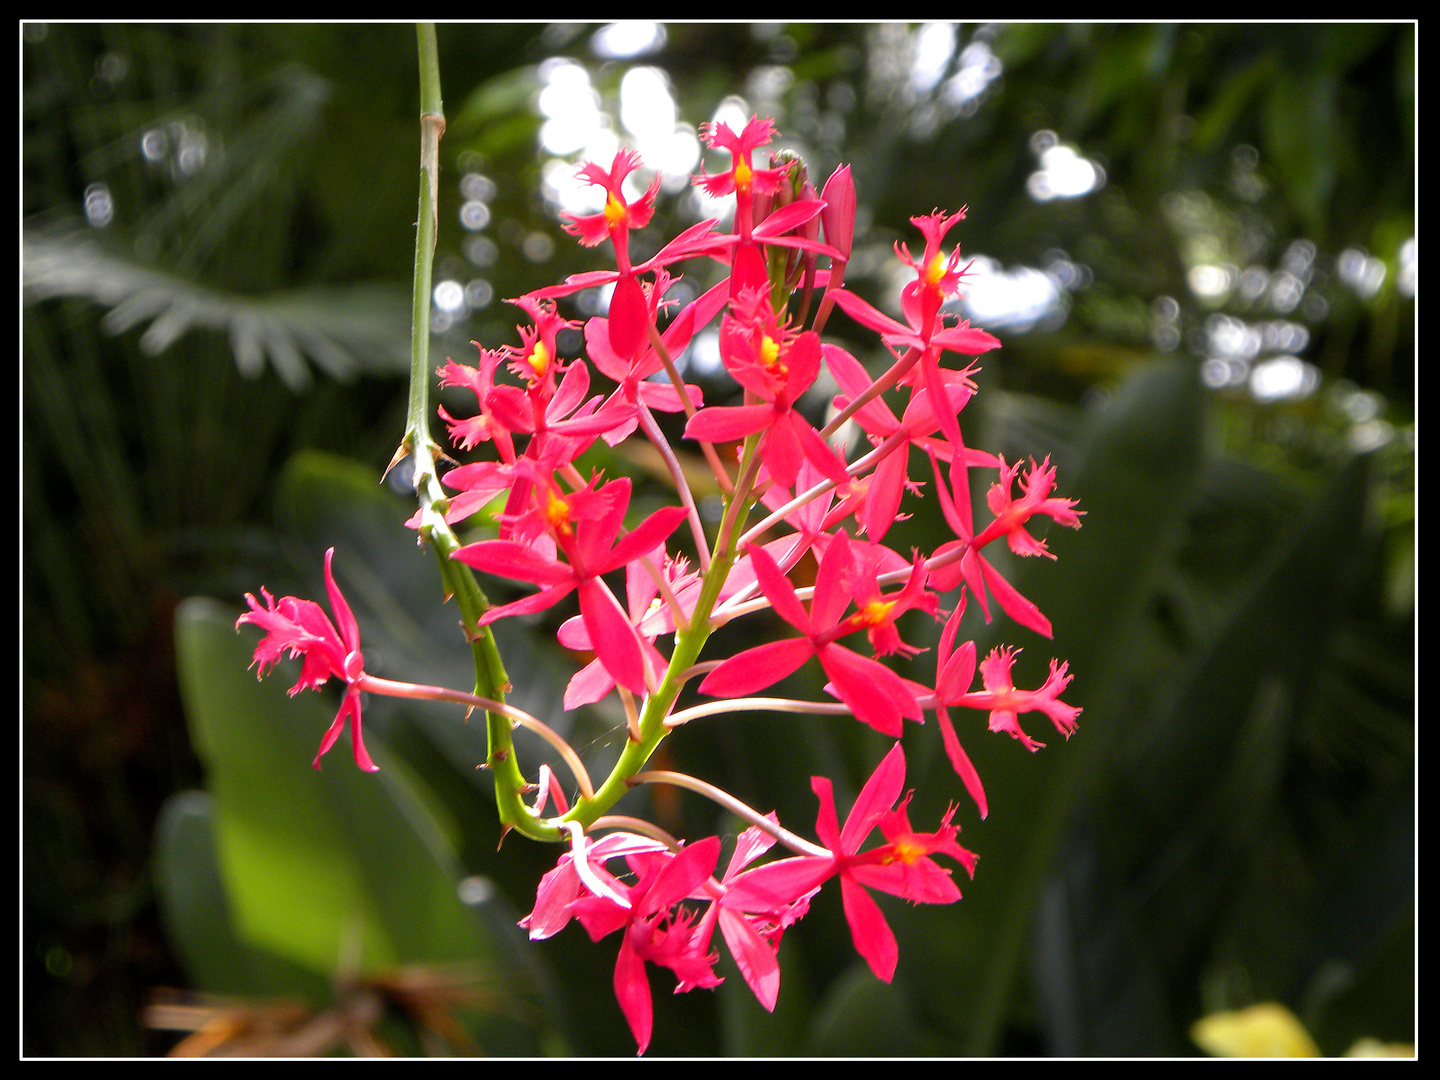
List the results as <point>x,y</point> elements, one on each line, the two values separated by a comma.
<point>906,851</point>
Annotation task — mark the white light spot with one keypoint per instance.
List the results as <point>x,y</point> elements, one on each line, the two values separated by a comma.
<point>626,39</point>
<point>1209,282</point>
<point>474,215</point>
<point>1283,378</point>
<point>1362,272</point>
<point>99,206</point>
<point>1017,298</point>
<point>934,45</point>
<point>1064,174</point>
<point>450,296</point>
<point>475,889</point>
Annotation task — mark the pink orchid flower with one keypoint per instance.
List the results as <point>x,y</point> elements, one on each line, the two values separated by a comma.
<point>656,928</point>
<point>925,333</point>
<point>629,316</point>
<point>301,628</point>
<point>584,526</point>
<point>875,694</point>
<point>1000,698</point>
<point>776,366</point>
<point>901,866</point>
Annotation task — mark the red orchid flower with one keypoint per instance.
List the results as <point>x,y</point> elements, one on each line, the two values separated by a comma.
<point>1011,513</point>
<point>567,882</point>
<point>584,526</point>
<point>486,426</point>
<point>752,929</point>
<point>301,628</point>
<point>629,315</point>
<point>972,567</point>
<point>648,615</point>
<point>776,366</point>
<point>924,333</point>
<point>875,694</point>
<point>656,928</point>
<point>753,188</point>
<point>1000,697</point>
<point>901,866</point>
<point>632,373</point>
<point>890,478</point>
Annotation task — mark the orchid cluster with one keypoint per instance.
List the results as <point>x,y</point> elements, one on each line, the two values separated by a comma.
<point>791,493</point>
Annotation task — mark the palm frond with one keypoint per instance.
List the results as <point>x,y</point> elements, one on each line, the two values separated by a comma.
<point>340,330</point>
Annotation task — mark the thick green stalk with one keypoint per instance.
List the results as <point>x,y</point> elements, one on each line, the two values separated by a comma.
<point>490,678</point>
<point>689,640</point>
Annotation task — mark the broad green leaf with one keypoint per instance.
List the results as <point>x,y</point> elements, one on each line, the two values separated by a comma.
<point>335,870</point>
<point>863,1017</point>
<point>195,907</point>
<point>1136,474</point>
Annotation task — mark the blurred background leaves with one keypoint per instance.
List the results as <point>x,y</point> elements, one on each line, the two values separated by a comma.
<point>1197,245</point>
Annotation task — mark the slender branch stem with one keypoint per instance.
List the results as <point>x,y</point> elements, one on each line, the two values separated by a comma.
<point>765,704</point>
<point>682,486</point>
<point>708,449</point>
<point>636,825</point>
<point>389,687</point>
<point>795,843</point>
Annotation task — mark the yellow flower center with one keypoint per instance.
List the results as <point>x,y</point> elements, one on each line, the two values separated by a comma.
<point>935,270</point>
<point>743,175</point>
<point>770,355</point>
<point>557,513</point>
<point>875,612</point>
<point>539,359</point>
<point>615,211</point>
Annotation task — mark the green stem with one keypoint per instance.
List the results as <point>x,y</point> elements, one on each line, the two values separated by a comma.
<point>689,640</point>
<point>491,680</point>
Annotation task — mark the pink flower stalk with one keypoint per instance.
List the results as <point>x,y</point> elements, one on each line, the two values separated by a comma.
<point>301,628</point>
<point>648,615</point>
